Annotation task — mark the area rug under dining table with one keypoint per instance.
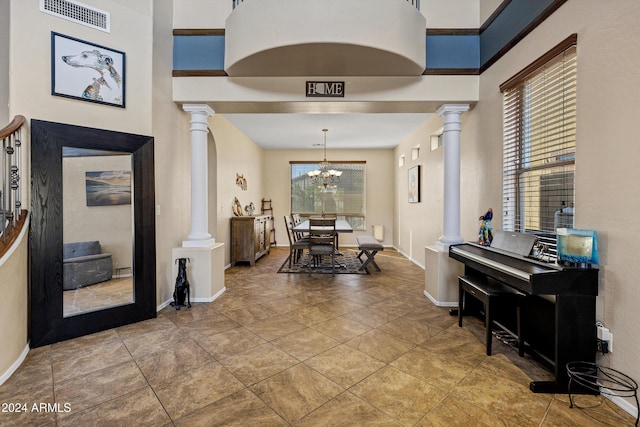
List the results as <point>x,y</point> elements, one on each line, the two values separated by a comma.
<point>350,264</point>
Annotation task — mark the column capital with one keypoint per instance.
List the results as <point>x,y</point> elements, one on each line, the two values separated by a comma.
<point>198,108</point>
<point>452,108</point>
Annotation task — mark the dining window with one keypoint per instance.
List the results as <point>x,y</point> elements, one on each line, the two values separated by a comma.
<point>539,145</point>
<point>344,197</point>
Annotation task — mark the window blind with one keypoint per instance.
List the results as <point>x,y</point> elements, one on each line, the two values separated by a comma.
<point>346,197</point>
<point>539,137</point>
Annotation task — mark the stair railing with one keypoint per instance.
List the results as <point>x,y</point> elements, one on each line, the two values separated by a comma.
<point>12,215</point>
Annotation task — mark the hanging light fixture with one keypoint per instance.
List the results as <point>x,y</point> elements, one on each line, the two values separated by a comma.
<point>325,174</point>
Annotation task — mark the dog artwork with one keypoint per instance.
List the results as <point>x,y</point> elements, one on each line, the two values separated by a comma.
<point>241,181</point>
<point>106,85</point>
<point>181,292</point>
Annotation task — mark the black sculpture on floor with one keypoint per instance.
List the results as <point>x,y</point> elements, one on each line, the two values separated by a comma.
<point>181,292</point>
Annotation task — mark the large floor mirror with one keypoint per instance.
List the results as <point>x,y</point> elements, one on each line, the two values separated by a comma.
<point>92,241</point>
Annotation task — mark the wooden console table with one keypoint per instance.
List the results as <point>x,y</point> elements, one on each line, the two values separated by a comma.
<point>250,238</point>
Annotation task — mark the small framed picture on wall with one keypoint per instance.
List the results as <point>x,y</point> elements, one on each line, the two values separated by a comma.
<point>414,184</point>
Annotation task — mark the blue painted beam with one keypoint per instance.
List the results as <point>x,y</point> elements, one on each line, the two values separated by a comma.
<point>453,51</point>
<point>204,52</point>
<point>512,20</point>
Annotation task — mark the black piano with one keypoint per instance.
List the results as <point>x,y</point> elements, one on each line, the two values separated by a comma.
<point>558,313</point>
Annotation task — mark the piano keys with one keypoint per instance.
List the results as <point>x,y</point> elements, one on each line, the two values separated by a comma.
<point>558,313</point>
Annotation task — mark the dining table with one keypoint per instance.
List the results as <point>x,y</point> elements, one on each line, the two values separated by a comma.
<point>342,226</point>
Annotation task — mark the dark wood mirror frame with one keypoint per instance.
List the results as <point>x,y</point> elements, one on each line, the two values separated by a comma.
<point>47,323</point>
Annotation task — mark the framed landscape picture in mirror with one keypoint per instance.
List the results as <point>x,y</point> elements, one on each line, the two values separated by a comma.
<point>414,184</point>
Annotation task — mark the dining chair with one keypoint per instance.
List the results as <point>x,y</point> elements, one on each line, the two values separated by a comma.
<point>297,219</point>
<point>322,241</point>
<point>296,245</point>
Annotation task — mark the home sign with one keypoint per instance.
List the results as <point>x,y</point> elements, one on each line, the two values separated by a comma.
<point>325,89</point>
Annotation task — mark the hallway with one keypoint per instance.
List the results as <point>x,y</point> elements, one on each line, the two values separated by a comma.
<point>293,349</point>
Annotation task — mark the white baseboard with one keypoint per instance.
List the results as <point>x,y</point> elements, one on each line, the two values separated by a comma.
<point>439,303</point>
<point>212,299</point>
<point>7,374</point>
<point>409,258</point>
<point>164,304</point>
<point>622,403</point>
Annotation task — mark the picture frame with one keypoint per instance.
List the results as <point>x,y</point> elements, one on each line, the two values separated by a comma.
<point>108,188</point>
<point>414,184</point>
<point>87,71</point>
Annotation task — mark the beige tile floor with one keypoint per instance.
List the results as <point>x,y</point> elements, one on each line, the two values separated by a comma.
<point>294,349</point>
<point>117,291</point>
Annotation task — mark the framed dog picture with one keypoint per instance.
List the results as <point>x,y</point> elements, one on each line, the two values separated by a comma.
<point>414,184</point>
<point>87,71</point>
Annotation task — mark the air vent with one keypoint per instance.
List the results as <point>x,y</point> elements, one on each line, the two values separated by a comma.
<point>77,12</point>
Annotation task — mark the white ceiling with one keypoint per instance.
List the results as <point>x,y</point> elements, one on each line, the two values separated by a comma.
<point>345,131</point>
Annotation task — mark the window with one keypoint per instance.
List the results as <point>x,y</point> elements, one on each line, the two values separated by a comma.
<point>345,197</point>
<point>539,133</point>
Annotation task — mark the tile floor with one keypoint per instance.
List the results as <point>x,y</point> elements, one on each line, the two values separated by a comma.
<point>117,291</point>
<point>293,349</point>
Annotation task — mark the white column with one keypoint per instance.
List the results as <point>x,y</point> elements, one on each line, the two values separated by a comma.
<point>451,142</point>
<point>199,236</point>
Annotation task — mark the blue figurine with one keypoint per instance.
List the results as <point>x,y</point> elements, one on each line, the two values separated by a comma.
<point>485,235</point>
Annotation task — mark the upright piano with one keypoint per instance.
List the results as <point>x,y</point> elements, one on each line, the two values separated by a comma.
<point>558,313</point>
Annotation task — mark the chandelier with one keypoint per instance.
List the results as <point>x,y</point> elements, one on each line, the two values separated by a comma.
<point>325,174</point>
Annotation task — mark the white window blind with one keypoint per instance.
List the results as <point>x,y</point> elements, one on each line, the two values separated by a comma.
<point>539,134</point>
<point>345,198</point>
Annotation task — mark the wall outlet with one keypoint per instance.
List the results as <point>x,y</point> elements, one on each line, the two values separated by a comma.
<point>605,334</point>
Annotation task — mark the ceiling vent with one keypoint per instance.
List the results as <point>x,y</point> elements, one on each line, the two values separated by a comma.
<point>77,12</point>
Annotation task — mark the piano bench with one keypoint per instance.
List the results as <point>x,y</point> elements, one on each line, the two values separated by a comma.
<point>490,293</point>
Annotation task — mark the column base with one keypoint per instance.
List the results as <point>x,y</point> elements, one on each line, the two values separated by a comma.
<point>204,243</point>
<point>441,277</point>
<point>205,271</point>
<point>444,242</point>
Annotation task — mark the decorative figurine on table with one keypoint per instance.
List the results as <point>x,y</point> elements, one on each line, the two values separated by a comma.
<point>485,235</point>
<point>250,209</point>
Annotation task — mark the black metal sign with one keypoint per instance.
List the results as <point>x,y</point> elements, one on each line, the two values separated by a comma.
<point>325,89</point>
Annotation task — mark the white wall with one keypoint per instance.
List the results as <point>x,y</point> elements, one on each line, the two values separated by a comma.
<point>606,164</point>
<point>172,144</point>
<point>419,224</point>
<point>236,154</point>
<point>14,318</point>
<point>31,79</point>
<point>439,13</point>
<point>451,14</point>
<point>200,13</point>
<point>4,63</point>
<point>487,7</point>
